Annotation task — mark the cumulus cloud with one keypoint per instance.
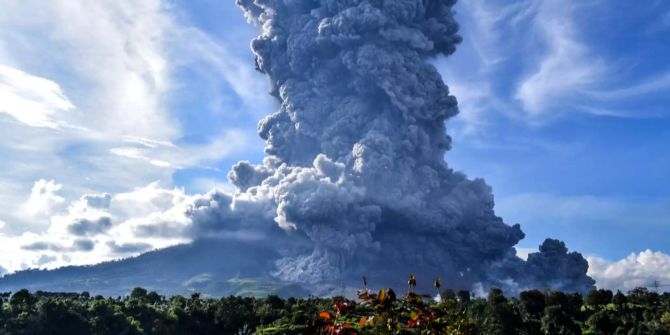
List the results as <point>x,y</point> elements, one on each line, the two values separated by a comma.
<point>37,246</point>
<point>43,198</point>
<point>83,245</point>
<point>45,259</point>
<point>77,245</point>
<point>101,227</point>
<point>98,200</point>
<point>643,269</point>
<point>83,227</point>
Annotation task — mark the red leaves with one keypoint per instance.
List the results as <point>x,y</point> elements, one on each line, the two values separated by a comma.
<point>344,329</point>
<point>340,307</point>
<point>325,315</point>
<point>389,314</point>
<point>383,300</point>
<point>333,325</point>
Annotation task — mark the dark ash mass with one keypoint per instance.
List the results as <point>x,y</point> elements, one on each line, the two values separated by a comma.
<point>354,180</point>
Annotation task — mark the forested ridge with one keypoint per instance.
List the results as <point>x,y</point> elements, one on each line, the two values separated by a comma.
<point>640,311</point>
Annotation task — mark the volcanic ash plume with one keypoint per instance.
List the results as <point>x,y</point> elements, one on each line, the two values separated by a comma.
<point>354,179</point>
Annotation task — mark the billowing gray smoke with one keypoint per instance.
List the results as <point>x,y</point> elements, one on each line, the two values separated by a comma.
<point>354,181</point>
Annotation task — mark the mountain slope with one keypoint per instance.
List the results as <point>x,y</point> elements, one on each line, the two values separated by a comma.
<point>211,267</point>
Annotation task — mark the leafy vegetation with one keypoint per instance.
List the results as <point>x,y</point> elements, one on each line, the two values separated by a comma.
<point>374,312</point>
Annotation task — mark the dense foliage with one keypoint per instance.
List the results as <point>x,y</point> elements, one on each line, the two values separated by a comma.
<point>382,312</point>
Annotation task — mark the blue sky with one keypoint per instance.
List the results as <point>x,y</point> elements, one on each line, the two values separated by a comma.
<point>565,111</point>
<point>569,118</point>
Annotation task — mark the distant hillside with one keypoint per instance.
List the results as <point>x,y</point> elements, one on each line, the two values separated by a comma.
<point>211,267</point>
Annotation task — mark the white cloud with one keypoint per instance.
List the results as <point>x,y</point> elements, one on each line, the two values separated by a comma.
<point>567,68</point>
<point>652,85</point>
<point>31,100</point>
<point>239,74</point>
<point>473,102</point>
<point>179,157</point>
<point>101,227</point>
<point>531,61</point>
<point>571,75</point>
<point>135,153</point>
<point>486,23</point>
<point>113,52</point>
<point>116,128</point>
<point>643,269</point>
<point>44,198</point>
<point>637,270</point>
<point>111,59</point>
<point>116,60</point>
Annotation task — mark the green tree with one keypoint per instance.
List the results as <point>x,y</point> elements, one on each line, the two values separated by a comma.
<point>533,303</point>
<point>557,321</point>
<point>22,301</point>
<point>603,322</point>
<point>61,318</point>
<point>502,318</point>
<point>138,293</point>
<point>619,299</point>
<point>598,297</point>
<point>463,296</point>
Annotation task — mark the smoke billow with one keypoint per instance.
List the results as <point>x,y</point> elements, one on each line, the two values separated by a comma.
<point>354,179</point>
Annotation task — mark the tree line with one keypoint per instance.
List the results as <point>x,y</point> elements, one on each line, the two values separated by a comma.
<point>640,311</point>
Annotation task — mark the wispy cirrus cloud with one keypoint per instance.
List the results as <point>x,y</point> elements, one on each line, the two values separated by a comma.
<point>111,54</point>
<point>566,68</point>
<point>30,100</point>
<point>221,64</point>
<point>535,62</point>
<point>167,155</point>
<point>108,79</point>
